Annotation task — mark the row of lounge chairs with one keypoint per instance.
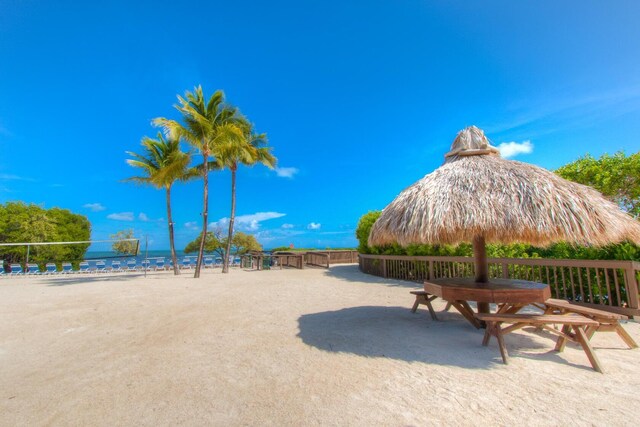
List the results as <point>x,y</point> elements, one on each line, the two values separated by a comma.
<point>116,266</point>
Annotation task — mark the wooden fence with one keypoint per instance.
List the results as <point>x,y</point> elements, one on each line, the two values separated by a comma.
<point>332,257</point>
<point>610,285</point>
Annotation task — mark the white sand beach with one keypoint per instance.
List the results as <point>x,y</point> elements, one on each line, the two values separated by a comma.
<point>283,347</point>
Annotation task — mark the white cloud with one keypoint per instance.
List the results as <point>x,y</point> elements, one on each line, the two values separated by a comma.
<point>512,149</point>
<point>121,216</point>
<point>143,217</point>
<point>94,207</point>
<point>191,225</point>
<point>286,172</point>
<point>286,226</point>
<point>250,222</point>
<point>314,226</point>
<point>10,177</point>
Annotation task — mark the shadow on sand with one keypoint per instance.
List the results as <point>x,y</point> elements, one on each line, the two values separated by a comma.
<point>352,273</point>
<point>79,279</point>
<point>396,333</point>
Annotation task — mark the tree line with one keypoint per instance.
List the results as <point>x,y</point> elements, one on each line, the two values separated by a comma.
<point>221,136</point>
<point>21,222</point>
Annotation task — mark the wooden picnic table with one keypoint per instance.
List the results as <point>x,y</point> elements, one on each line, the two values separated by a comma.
<point>511,295</point>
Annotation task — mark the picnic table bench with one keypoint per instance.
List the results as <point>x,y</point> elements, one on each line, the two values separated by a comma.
<point>570,321</point>
<point>423,297</point>
<point>607,321</point>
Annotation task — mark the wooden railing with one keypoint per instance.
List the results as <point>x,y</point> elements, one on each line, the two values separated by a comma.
<point>336,257</point>
<point>611,285</point>
<point>290,260</point>
<point>318,259</point>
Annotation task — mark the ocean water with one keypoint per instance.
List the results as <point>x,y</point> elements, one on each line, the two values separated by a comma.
<point>109,256</point>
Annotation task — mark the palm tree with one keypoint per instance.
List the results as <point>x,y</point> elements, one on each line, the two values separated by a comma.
<point>205,125</point>
<point>231,153</point>
<point>162,164</point>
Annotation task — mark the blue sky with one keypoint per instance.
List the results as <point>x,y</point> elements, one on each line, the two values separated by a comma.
<point>359,100</point>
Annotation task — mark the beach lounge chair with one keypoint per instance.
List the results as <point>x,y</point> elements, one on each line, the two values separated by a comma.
<point>84,267</point>
<point>16,269</point>
<point>131,265</point>
<point>51,268</point>
<point>33,269</point>
<point>208,262</point>
<point>67,268</point>
<point>186,263</point>
<point>159,265</point>
<point>101,267</point>
<point>145,265</point>
<point>218,262</point>
<point>115,267</point>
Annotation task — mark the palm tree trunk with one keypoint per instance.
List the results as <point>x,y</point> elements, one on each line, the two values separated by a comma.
<point>174,258</point>
<point>232,217</point>
<point>205,211</point>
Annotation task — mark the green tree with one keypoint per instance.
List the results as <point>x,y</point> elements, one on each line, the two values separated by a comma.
<point>617,177</point>
<point>212,244</point>
<point>241,243</point>
<point>206,124</point>
<point>124,245</point>
<point>29,223</point>
<point>232,152</point>
<point>364,228</point>
<point>162,164</point>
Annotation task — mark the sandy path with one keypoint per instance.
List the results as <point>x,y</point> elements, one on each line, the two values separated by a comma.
<point>283,348</point>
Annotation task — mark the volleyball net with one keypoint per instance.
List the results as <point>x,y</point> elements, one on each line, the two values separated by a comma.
<point>58,252</point>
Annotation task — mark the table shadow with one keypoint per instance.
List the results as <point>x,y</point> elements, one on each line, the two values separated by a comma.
<point>396,333</point>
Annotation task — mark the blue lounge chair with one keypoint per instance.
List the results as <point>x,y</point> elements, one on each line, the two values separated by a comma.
<point>208,262</point>
<point>16,269</point>
<point>67,268</point>
<point>51,268</point>
<point>101,267</point>
<point>131,265</point>
<point>84,267</point>
<point>159,265</point>
<point>115,266</point>
<point>33,269</point>
<point>145,265</point>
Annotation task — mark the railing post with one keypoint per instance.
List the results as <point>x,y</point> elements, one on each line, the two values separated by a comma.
<point>505,270</point>
<point>384,267</point>
<point>632,286</point>
<point>431,272</point>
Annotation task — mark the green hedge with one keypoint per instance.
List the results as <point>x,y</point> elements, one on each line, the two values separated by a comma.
<point>621,251</point>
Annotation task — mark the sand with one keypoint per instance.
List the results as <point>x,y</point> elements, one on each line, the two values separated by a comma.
<point>283,347</point>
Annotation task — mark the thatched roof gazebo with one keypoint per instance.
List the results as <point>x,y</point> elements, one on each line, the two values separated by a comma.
<point>478,196</point>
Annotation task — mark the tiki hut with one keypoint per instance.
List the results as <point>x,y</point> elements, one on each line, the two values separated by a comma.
<point>478,196</point>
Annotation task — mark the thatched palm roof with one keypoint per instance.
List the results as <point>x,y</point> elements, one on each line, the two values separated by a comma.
<point>478,193</point>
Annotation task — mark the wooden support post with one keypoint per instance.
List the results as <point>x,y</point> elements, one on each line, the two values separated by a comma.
<point>481,267</point>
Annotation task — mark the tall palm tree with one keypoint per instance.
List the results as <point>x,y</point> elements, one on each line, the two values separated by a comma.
<point>206,123</point>
<point>162,164</point>
<point>232,152</point>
